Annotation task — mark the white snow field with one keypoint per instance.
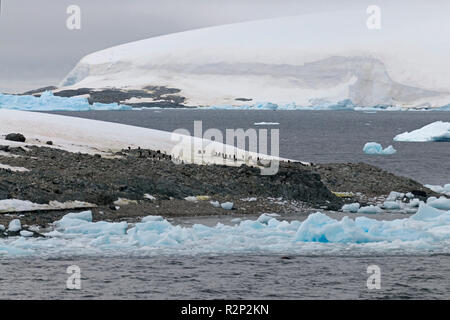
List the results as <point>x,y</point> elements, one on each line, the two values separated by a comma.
<point>48,102</point>
<point>324,60</point>
<point>92,136</point>
<point>426,232</point>
<point>377,149</point>
<point>436,131</point>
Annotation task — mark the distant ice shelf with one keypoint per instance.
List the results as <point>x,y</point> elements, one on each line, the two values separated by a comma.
<point>48,102</point>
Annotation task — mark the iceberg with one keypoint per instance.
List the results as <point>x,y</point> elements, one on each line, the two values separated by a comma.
<point>437,131</point>
<point>48,102</point>
<point>266,123</point>
<point>427,231</point>
<point>376,148</point>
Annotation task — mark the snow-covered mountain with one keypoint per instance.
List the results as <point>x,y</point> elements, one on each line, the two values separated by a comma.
<point>305,60</point>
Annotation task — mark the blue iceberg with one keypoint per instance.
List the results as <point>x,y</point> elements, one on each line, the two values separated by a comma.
<point>376,148</point>
<point>48,102</point>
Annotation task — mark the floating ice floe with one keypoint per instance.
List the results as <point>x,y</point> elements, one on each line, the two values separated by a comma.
<point>26,234</point>
<point>266,123</point>
<point>436,131</point>
<point>427,231</point>
<point>392,205</point>
<point>394,195</point>
<point>227,205</point>
<point>370,209</point>
<point>439,189</point>
<point>48,102</point>
<point>376,148</point>
<point>215,204</point>
<point>352,207</point>
<point>442,203</point>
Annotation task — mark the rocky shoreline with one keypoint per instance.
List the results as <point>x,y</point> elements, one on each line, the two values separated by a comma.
<point>134,183</point>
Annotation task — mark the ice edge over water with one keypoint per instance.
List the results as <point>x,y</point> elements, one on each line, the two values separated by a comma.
<point>426,232</point>
<point>48,102</point>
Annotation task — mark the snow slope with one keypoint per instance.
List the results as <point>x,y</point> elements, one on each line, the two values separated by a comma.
<point>303,60</point>
<point>92,136</point>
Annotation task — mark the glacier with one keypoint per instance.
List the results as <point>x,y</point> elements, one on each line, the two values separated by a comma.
<point>376,148</point>
<point>49,102</point>
<point>438,131</point>
<point>75,234</point>
<point>327,60</point>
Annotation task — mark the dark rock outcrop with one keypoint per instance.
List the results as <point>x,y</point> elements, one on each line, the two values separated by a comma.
<point>18,137</point>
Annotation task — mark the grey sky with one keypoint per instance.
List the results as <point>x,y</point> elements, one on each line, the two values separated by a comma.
<point>36,48</point>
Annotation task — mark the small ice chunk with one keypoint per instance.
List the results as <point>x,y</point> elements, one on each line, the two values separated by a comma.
<point>252,199</point>
<point>394,196</point>
<point>442,203</point>
<point>266,123</point>
<point>376,148</point>
<point>215,204</point>
<point>124,202</point>
<point>391,205</point>
<point>440,189</point>
<point>236,220</point>
<point>152,218</point>
<point>85,216</point>
<point>227,205</point>
<point>414,203</point>
<point>26,234</point>
<point>191,199</point>
<point>437,189</point>
<point>409,195</point>
<point>2,228</point>
<point>370,209</point>
<point>149,197</point>
<point>15,225</point>
<point>264,218</point>
<point>352,207</point>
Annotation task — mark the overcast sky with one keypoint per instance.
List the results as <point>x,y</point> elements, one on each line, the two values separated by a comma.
<point>36,48</point>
